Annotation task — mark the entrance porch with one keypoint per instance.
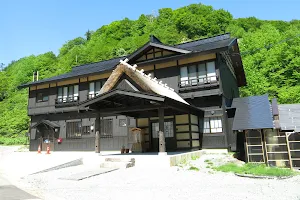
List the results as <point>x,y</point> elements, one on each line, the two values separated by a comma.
<point>166,125</point>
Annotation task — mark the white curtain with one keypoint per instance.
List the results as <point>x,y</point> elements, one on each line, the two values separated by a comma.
<point>216,124</point>
<point>193,74</point>
<point>76,95</point>
<point>70,93</point>
<point>206,126</point>
<point>184,76</point>
<point>97,87</point>
<point>202,73</point>
<point>211,71</point>
<point>92,90</point>
<point>65,94</point>
<point>60,94</point>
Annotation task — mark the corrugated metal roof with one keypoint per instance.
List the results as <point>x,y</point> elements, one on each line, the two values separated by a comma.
<point>289,117</point>
<point>252,112</point>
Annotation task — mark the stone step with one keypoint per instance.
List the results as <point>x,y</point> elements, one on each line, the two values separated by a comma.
<point>120,159</point>
<point>120,165</point>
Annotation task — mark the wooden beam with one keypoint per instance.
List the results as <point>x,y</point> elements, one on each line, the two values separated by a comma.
<point>98,132</point>
<point>162,142</point>
<point>131,109</point>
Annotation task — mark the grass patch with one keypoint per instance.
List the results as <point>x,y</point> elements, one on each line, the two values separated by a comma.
<point>195,157</point>
<point>194,168</point>
<point>13,141</point>
<point>255,169</point>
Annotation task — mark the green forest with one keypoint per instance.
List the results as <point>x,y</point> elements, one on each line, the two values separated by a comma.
<point>270,51</point>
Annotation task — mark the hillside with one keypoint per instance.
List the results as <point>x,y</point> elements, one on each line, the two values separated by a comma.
<point>270,52</point>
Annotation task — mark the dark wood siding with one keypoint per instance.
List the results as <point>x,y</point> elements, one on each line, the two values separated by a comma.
<point>169,75</point>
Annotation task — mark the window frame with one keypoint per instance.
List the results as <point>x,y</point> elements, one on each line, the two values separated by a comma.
<point>71,135</point>
<point>86,130</point>
<point>210,125</point>
<point>102,128</point>
<point>44,94</point>
<point>187,83</point>
<point>120,124</point>
<point>68,98</point>
<point>94,93</point>
<point>169,135</point>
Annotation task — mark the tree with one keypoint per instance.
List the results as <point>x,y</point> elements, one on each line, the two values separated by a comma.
<point>273,70</point>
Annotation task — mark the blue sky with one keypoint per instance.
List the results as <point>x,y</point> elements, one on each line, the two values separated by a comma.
<point>38,26</point>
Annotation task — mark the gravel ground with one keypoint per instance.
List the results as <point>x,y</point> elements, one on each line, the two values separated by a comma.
<point>173,183</point>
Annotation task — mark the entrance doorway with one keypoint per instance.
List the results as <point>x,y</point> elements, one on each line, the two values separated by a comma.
<point>169,135</point>
<point>46,136</point>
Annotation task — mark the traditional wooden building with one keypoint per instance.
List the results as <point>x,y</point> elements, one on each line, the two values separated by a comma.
<point>181,91</point>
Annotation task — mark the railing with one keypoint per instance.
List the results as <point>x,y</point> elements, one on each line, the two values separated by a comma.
<point>198,82</point>
<point>90,96</point>
<point>63,100</point>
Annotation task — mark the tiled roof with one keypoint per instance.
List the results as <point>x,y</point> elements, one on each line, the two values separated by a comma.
<point>252,112</point>
<point>210,40</point>
<point>209,46</point>
<point>82,70</point>
<point>216,42</point>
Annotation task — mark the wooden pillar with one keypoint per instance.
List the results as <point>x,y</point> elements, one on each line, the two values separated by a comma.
<point>190,130</point>
<point>162,143</point>
<point>97,131</point>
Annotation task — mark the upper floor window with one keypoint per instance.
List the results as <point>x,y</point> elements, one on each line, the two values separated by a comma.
<point>198,74</point>
<point>42,97</point>
<point>95,87</point>
<point>67,94</point>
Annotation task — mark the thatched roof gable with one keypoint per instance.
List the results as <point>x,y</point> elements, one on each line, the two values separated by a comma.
<point>146,82</point>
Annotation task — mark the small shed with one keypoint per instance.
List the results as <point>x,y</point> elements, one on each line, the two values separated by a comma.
<point>264,131</point>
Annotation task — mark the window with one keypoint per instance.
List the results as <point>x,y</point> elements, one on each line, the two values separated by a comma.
<point>74,130</point>
<point>86,130</point>
<point>95,87</point>
<point>184,78</point>
<point>198,74</point>
<point>212,125</point>
<point>169,129</point>
<point>106,126</point>
<point>42,97</point>
<point>67,94</point>
<point>122,122</point>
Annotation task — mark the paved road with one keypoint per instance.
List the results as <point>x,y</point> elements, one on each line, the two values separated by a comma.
<point>7,190</point>
<point>11,192</point>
